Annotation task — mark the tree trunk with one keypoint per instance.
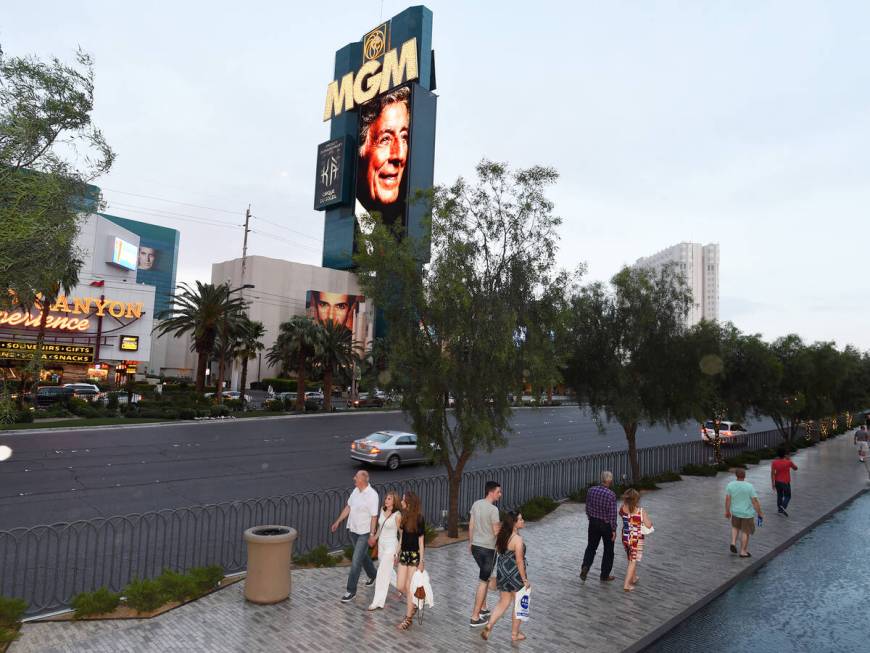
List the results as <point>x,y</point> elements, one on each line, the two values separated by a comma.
<point>327,389</point>
<point>549,394</point>
<point>300,385</point>
<point>454,480</point>
<point>201,359</point>
<point>244,381</point>
<point>219,388</point>
<point>631,436</point>
<point>40,340</point>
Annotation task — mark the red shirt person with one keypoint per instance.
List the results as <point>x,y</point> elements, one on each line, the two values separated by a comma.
<point>780,479</point>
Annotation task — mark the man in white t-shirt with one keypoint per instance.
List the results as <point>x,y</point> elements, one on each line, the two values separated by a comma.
<point>361,513</point>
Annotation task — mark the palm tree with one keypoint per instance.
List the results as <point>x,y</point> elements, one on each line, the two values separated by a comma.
<point>250,346</point>
<point>226,347</point>
<point>336,355</point>
<point>200,311</point>
<point>295,350</point>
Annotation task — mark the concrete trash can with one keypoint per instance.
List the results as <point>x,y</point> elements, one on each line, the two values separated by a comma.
<point>270,549</point>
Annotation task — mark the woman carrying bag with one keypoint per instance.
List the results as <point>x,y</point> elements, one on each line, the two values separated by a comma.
<point>387,547</point>
<point>510,569</point>
<point>411,552</point>
<point>636,524</point>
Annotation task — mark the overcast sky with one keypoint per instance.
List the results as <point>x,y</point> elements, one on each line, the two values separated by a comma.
<point>741,123</point>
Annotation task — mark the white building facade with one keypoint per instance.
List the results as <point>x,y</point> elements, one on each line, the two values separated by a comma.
<point>700,265</point>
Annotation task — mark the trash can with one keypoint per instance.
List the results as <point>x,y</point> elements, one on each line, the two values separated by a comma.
<point>270,549</point>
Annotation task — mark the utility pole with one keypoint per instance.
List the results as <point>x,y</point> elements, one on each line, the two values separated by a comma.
<point>245,248</point>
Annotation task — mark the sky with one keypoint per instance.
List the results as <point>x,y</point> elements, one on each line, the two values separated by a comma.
<point>743,123</point>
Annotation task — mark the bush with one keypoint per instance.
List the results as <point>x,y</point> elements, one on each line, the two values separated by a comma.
<point>318,557</point>
<point>698,470</point>
<point>144,595</point>
<point>112,402</point>
<point>537,507</point>
<point>312,406</point>
<point>11,612</point>
<point>206,578</point>
<point>187,413</point>
<point>54,410</point>
<point>348,552</point>
<point>77,406</point>
<point>219,411</point>
<point>177,587</point>
<point>275,405</point>
<point>24,416</point>
<point>430,533</point>
<point>233,404</point>
<point>579,496</point>
<point>278,385</point>
<point>667,477</point>
<point>99,601</point>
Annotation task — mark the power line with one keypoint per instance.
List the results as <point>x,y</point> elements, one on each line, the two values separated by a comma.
<point>281,226</point>
<point>169,215</point>
<point>163,199</point>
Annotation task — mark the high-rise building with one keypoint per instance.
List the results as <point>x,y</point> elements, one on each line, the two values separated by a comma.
<point>700,265</point>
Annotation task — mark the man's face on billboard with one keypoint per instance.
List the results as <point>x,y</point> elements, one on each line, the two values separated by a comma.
<point>146,257</point>
<point>333,307</point>
<point>386,152</point>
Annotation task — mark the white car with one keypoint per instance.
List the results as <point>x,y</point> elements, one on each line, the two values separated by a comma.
<point>728,431</point>
<point>84,390</point>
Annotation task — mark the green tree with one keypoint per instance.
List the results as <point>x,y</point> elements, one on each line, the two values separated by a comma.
<point>451,324</point>
<point>227,345</point>
<point>49,150</point>
<point>628,354</point>
<point>200,311</point>
<point>335,354</point>
<point>786,403</point>
<point>296,349</point>
<point>252,344</point>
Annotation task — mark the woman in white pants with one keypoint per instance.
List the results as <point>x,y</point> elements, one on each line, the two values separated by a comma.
<point>389,522</point>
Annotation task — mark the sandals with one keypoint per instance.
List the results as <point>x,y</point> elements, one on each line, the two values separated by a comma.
<point>485,633</point>
<point>407,622</point>
<point>518,638</point>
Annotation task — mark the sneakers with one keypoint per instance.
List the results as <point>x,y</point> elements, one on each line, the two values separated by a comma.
<point>484,611</point>
<point>583,572</point>
<point>477,623</point>
<point>370,582</point>
<point>784,513</point>
<point>348,597</point>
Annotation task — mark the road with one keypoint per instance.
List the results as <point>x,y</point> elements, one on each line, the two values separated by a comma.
<point>80,474</point>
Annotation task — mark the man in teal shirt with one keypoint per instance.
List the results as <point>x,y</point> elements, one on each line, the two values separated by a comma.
<point>741,507</point>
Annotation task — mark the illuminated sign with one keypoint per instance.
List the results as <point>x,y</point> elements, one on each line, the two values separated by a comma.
<point>332,184</point>
<point>124,254</point>
<point>18,350</point>
<point>130,343</point>
<point>73,306</point>
<point>372,79</point>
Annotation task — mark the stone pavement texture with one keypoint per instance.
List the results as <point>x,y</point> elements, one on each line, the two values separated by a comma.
<point>685,561</point>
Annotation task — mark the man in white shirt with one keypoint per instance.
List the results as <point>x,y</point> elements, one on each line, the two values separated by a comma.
<point>361,513</point>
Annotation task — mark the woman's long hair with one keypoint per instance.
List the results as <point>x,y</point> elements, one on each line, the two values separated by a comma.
<point>397,501</point>
<point>411,513</point>
<point>631,498</point>
<point>508,521</point>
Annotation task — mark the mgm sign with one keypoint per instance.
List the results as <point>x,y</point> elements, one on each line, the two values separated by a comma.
<point>382,142</point>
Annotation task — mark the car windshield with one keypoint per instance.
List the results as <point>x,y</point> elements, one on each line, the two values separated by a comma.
<point>378,437</point>
<point>708,424</point>
<point>737,427</point>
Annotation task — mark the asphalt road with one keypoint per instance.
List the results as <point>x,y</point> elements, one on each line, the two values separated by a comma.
<point>80,474</point>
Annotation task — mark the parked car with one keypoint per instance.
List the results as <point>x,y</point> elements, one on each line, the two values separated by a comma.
<point>285,396</point>
<point>366,401</point>
<point>387,448</point>
<point>315,396</point>
<point>86,391</point>
<point>729,432</point>
<point>235,394</point>
<point>52,394</point>
<point>122,397</point>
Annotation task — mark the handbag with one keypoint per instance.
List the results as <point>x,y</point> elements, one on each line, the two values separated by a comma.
<point>374,551</point>
<point>644,529</point>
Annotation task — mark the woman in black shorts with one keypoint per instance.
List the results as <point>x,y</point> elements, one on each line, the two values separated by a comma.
<point>411,549</point>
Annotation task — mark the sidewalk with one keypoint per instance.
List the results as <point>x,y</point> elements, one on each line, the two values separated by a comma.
<point>686,562</point>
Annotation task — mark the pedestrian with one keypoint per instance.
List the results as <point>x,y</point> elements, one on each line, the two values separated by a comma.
<point>483,525</point>
<point>780,479</point>
<point>361,513</point>
<point>742,507</point>
<point>411,552</point>
<point>510,572</point>
<point>387,537</point>
<point>634,518</point>
<point>862,439</point>
<point>601,512</point>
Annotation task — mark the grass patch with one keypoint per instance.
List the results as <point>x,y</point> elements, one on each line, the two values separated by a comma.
<point>11,613</point>
<point>645,483</point>
<point>82,423</point>
<point>537,508</point>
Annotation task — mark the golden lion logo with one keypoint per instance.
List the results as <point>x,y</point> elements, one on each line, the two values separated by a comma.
<point>376,42</point>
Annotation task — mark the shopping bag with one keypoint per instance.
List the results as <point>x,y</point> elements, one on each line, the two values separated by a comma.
<point>521,604</point>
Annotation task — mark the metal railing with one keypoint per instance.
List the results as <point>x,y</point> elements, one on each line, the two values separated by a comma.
<point>49,565</point>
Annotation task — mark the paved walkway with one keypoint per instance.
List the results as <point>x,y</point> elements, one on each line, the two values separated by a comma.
<point>686,560</point>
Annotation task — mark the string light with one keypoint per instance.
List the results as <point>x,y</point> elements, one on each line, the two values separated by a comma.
<point>848,420</point>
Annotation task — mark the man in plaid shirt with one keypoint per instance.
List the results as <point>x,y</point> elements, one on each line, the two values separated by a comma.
<point>601,512</point>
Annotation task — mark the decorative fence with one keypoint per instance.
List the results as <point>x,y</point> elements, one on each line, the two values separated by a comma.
<point>48,565</point>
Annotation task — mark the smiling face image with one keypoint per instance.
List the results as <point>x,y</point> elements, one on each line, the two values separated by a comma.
<point>386,153</point>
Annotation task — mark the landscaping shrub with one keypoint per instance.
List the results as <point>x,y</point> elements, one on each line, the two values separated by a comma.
<point>430,533</point>
<point>318,557</point>
<point>537,507</point>
<point>206,578</point>
<point>112,402</point>
<point>11,611</point>
<point>177,587</point>
<point>144,595</point>
<point>579,496</point>
<point>187,413</point>
<point>99,601</point>
<point>667,477</point>
<point>275,405</point>
<point>348,552</point>
<point>233,404</point>
<point>698,470</point>
<point>77,406</point>
<point>24,416</point>
<point>219,411</point>
<point>278,385</point>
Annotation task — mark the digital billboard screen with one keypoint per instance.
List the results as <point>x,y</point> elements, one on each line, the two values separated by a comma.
<point>384,152</point>
<point>323,306</point>
<point>123,254</point>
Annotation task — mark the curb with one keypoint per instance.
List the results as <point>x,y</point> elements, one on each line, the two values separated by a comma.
<point>642,644</point>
